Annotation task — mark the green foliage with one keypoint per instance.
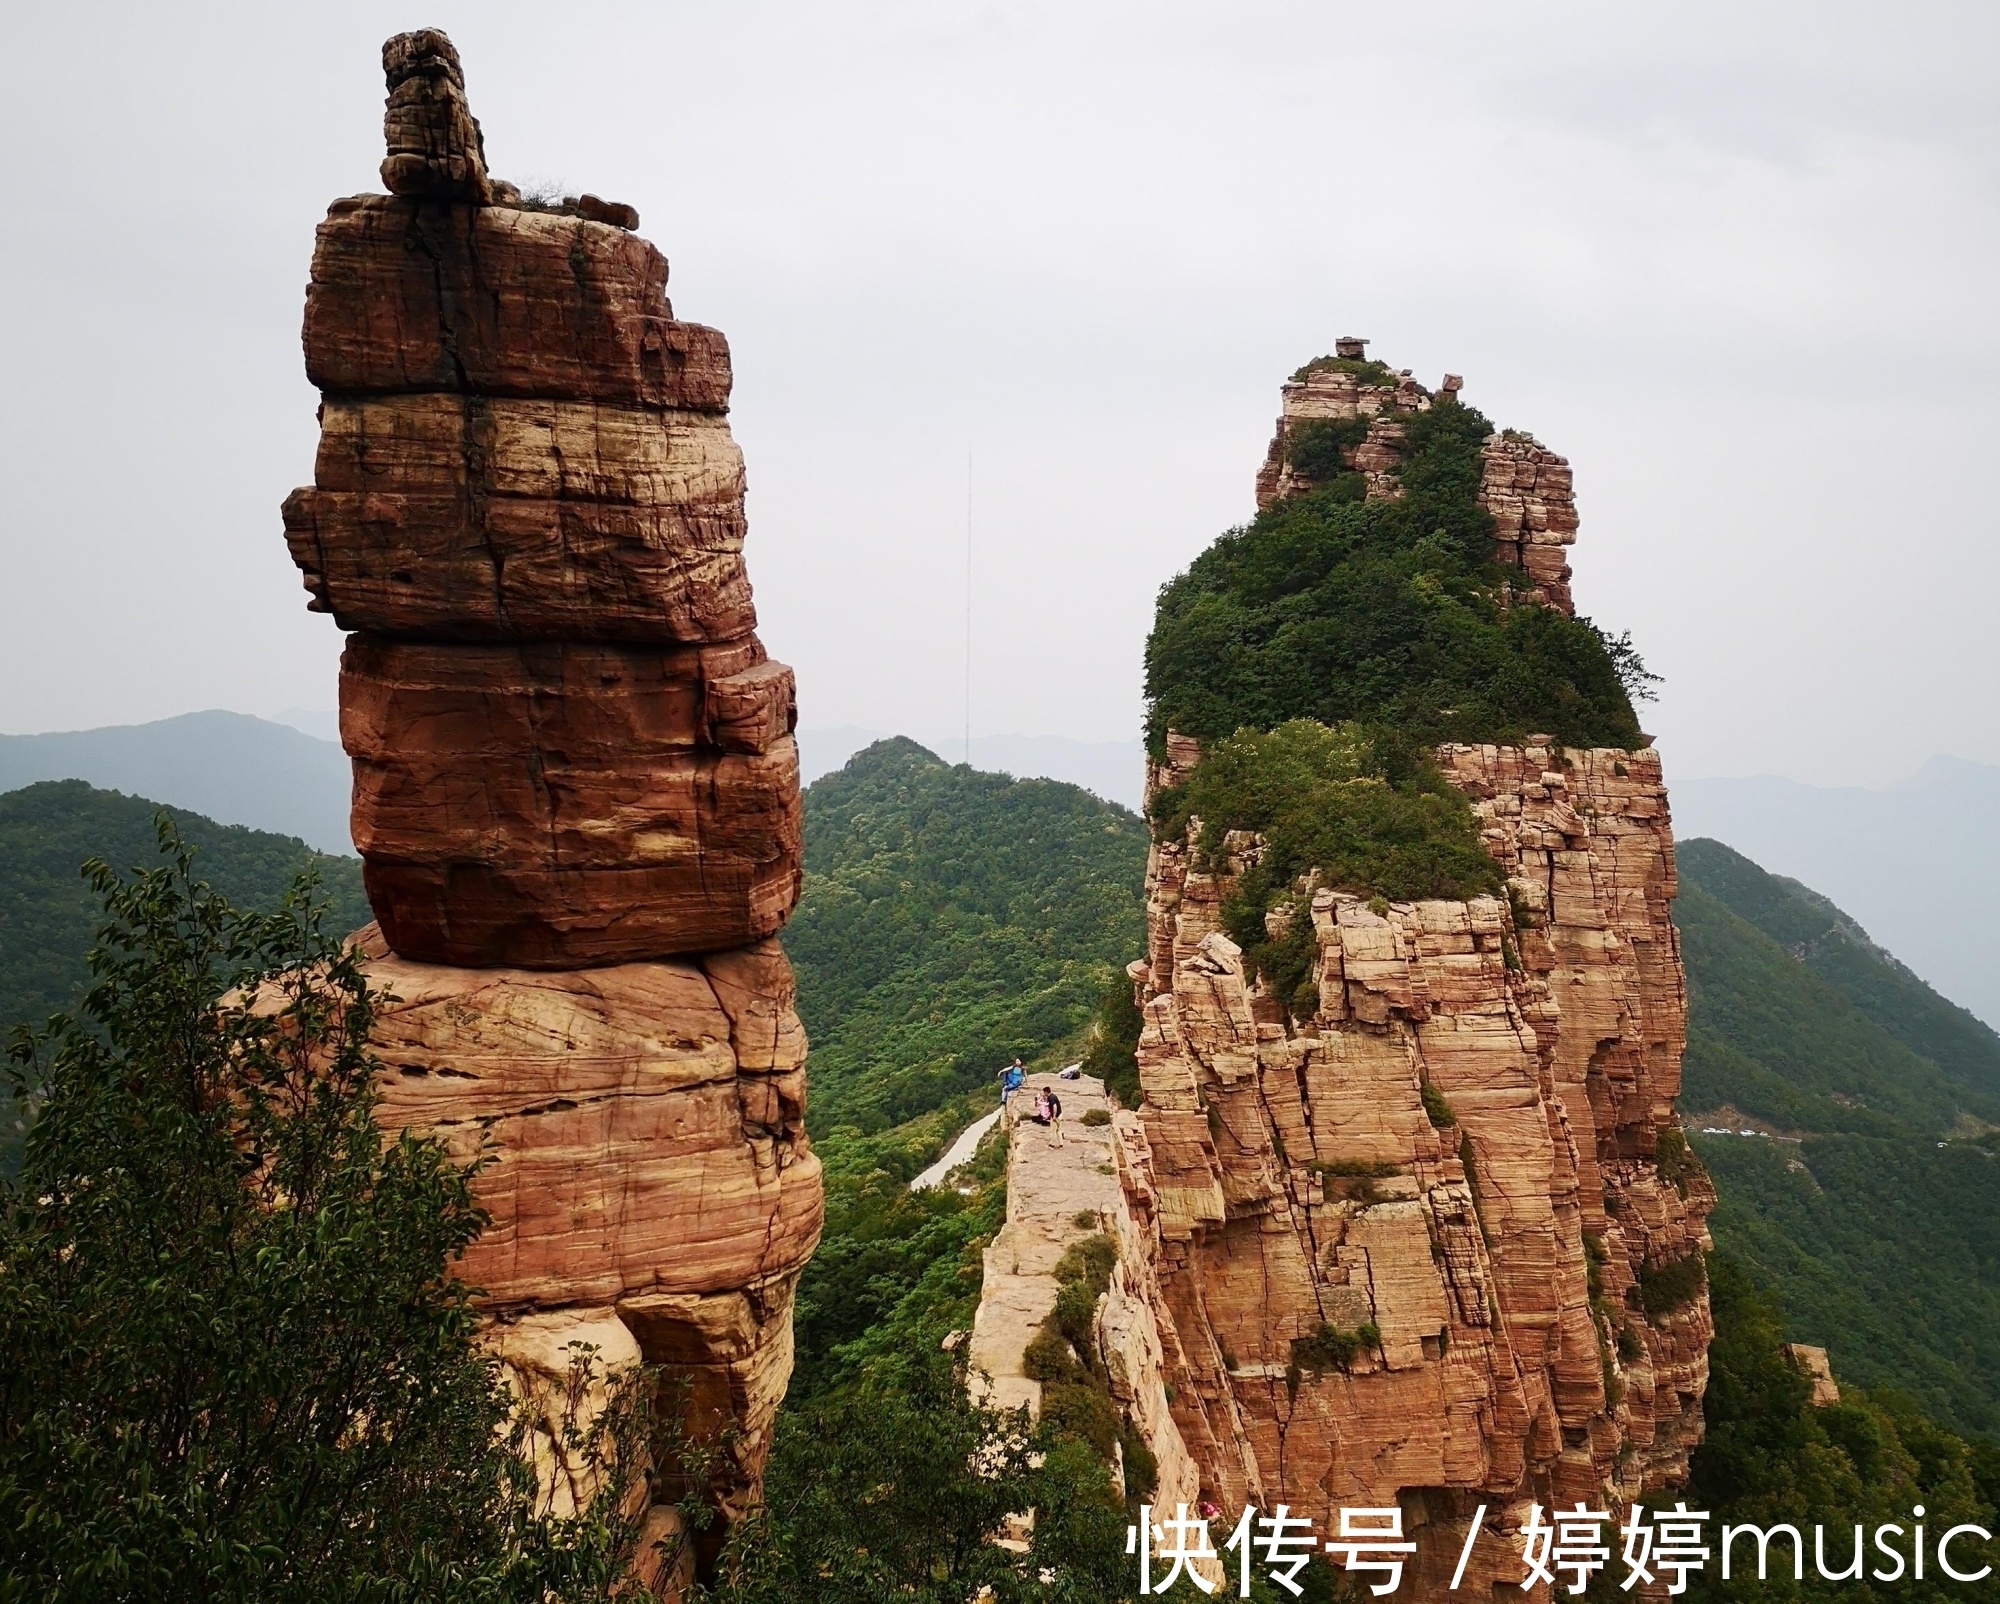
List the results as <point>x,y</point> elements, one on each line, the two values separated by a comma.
<point>1097,1116</point>
<point>1355,1168</point>
<point>1437,1107</point>
<point>895,1270</point>
<point>1878,1243</point>
<point>1664,1288</point>
<point>1389,613</point>
<point>1886,1252</point>
<point>1769,1036</point>
<point>237,1366</point>
<point>1832,947</point>
<point>1332,1347</point>
<point>1317,449</point>
<point>48,915</point>
<point>1326,800</point>
<point>1062,1351</point>
<point>1082,1412</point>
<point>1367,371</point>
<point>1673,1159</point>
<point>1113,1041</point>
<point>950,920</point>
<point>1770,1457</point>
<point>1142,1468</point>
<point>895,1492</point>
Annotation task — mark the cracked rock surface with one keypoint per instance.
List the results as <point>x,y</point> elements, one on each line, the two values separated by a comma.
<point>1477,1251</point>
<point>575,782</point>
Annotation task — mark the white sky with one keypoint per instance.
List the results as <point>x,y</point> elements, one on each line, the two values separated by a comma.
<point>1737,262</point>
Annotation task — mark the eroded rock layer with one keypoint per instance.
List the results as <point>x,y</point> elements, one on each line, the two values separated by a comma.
<point>575,783</point>
<point>554,803</point>
<point>1430,1245</point>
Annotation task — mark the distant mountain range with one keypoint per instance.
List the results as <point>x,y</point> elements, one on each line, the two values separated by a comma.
<point>1917,864</point>
<point>287,774</point>
<point>230,767</point>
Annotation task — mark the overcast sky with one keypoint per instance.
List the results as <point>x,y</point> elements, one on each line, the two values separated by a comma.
<point>1737,262</point>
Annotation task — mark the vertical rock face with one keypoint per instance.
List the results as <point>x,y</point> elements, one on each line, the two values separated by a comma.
<point>575,784</point>
<point>1429,1246</point>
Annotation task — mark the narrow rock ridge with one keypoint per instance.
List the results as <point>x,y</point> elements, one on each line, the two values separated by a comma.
<point>1057,1197</point>
<point>1457,1164</point>
<point>575,781</point>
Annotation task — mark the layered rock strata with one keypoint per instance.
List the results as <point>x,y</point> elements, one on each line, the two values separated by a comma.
<point>1400,1251</point>
<point>575,782</point>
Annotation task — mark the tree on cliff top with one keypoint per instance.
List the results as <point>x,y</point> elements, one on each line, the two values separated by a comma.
<point>1389,612</point>
<point>236,1364</point>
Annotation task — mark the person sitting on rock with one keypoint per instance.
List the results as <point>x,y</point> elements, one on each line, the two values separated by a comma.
<point>1010,1080</point>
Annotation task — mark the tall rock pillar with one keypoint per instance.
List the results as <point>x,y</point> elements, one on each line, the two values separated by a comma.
<point>576,789</point>
<point>1429,1237</point>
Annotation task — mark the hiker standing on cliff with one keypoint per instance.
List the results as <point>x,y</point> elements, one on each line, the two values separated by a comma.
<point>1048,1111</point>
<point>1010,1080</point>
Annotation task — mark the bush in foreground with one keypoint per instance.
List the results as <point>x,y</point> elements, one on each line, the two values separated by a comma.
<point>237,1364</point>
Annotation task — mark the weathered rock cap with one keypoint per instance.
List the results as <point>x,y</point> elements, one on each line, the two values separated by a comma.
<point>615,213</point>
<point>410,295</point>
<point>435,148</point>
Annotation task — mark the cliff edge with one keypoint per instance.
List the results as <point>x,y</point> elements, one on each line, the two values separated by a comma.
<point>1415,1221</point>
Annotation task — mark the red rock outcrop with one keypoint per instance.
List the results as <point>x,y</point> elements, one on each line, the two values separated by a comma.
<point>1463,1163</point>
<point>575,783</point>
<point>549,804</point>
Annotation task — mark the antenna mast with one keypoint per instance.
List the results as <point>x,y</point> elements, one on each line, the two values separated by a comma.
<point>968,607</point>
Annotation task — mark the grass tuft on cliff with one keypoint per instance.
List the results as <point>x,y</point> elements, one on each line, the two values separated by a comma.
<point>1389,613</point>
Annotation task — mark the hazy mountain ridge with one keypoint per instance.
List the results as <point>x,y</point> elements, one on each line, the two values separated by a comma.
<point>1879,1230</point>
<point>228,767</point>
<point>1913,864</point>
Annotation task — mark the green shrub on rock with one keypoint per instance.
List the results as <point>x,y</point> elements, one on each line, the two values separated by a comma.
<point>1390,612</point>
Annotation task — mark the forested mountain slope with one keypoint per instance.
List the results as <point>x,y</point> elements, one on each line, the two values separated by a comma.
<point>48,915</point>
<point>1878,1230</point>
<point>950,920</point>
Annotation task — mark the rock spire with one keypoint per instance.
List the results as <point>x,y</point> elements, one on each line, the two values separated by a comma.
<point>1436,1243</point>
<point>575,783</point>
